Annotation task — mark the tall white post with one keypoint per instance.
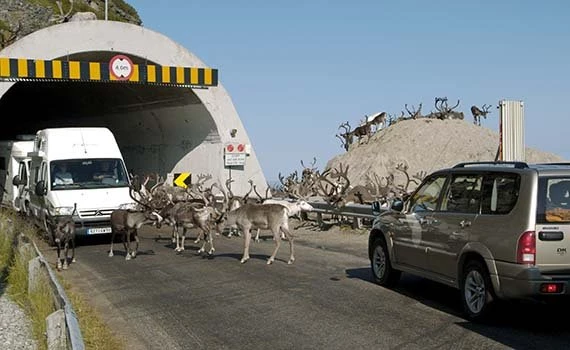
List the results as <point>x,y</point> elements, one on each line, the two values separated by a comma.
<point>106,10</point>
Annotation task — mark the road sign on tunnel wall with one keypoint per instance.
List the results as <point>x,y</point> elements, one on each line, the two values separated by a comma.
<point>235,154</point>
<point>182,179</point>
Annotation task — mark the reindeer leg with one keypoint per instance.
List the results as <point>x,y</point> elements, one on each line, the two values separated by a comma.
<point>58,265</point>
<point>184,229</point>
<point>257,236</point>
<point>211,240</point>
<point>73,250</point>
<point>277,239</point>
<point>290,237</point>
<point>127,243</point>
<point>247,240</point>
<point>135,252</point>
<point>112,239</point>
<point>65,252</point>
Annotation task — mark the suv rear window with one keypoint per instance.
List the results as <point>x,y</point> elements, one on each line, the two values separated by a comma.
<point>500,192</point>
<point>553,200</point>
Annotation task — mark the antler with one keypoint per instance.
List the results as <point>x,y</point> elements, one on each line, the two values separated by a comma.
<point>62,17</point>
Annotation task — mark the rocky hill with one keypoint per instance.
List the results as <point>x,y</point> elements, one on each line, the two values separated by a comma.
<point>19,18</point>
<point>424,145</point>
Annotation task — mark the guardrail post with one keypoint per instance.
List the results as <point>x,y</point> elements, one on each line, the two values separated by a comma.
<point>56,331</point>
<point>356,223</point>
<point>34,272</point>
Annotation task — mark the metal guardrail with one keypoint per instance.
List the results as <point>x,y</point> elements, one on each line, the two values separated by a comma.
<point>363,211</point>
<point>73,330</point>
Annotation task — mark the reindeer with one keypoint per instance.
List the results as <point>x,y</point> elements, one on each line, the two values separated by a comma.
<point>444,111</point>
<point>333,185</point>
<point>62,17</point>
<point>127,222</point>
<point>376,120</point>
<point>263,216</point>
<point>63,228</point>
<point>363,131</point>
<point>414,114</point>
<point>478,113</point>
<point>346,137</point>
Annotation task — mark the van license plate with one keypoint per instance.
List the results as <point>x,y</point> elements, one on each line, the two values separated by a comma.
<point>98,230</point>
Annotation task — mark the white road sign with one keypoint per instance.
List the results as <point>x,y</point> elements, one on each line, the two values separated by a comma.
<point>121,67</point>
<point>234,159</point>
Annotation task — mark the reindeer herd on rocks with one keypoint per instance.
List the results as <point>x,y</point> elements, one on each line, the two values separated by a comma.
<point>372,124</point>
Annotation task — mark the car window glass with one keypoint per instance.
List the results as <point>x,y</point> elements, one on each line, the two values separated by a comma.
<point>499,193</point>
<point>557,200</point>
<point>463,195</point>
<point>426,197</point>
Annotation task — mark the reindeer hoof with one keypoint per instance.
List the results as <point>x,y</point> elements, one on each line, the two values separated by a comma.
<point>110,254</point>
<point>211,251</point>
<point>197,240</point>
<point>58,266</point>
<point>269,261</point>
<point>65,266</point>
<point>243,260</point>
<point>73,260</point>
<point>134,255</point>
<point>128,257</point>
<point>201,250</point>
<point>290,261</point>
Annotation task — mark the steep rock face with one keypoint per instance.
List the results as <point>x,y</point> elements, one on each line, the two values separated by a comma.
<point>22,17</point>
<point>424,145</point>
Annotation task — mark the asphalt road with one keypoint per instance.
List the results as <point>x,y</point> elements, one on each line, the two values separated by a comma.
<point>325,300</point>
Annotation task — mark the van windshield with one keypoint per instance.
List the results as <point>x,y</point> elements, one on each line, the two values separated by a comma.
<point>87,173</point>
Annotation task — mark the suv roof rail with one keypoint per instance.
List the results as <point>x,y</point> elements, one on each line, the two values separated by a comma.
<point>514,164</point>
<point>558,164</point>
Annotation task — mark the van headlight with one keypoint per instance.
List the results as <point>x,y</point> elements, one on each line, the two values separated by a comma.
<point>63,211</point>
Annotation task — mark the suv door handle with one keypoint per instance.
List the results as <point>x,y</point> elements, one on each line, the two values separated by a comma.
<point>464,223</point>
<point>428,221</point>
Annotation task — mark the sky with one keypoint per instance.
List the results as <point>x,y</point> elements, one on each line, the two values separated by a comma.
<point>295,70</point>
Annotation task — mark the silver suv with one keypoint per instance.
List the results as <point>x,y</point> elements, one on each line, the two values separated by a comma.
<point>493,230</point>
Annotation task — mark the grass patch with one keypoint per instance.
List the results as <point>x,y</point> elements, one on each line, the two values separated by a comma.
<point>96,334</point>
<point>38,304</point>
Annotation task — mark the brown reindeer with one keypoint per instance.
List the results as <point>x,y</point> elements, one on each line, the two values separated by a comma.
<point>478,113</point>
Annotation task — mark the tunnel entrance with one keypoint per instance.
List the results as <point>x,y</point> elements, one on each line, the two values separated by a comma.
<point>172,115</point>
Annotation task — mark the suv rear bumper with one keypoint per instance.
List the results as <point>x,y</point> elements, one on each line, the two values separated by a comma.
<point>524,282</point>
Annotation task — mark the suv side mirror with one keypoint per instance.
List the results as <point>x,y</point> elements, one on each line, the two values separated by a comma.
<point>376,208</point>
<point>397,205</point>
<point>16,181</point>
<point>41,189</point>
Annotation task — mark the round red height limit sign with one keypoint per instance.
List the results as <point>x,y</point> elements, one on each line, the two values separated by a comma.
<point>121,67</point>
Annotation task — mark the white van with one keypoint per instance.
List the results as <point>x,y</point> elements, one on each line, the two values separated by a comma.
<point>14,161</point>
<point>78,171</point>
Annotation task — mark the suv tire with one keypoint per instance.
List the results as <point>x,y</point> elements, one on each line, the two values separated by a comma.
<point>476,289</point>
<point>382,271</point>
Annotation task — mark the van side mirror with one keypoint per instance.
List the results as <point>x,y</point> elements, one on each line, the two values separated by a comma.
<point>16,181</point>
<point>41,189</point>
<point>397,205</point>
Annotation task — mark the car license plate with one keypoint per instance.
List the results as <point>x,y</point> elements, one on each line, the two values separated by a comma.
<point>98,230</point>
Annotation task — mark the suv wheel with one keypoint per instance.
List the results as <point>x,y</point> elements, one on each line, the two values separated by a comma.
<point>476,290</point>
<point>382,271</point>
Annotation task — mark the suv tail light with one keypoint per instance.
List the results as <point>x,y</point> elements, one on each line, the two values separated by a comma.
<point>526,248</point>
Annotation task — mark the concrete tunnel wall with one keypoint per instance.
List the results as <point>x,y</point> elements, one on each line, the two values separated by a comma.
<point>184,132</point>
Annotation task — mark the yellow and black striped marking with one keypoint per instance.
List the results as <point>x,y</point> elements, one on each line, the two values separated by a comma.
<point>21,69</point>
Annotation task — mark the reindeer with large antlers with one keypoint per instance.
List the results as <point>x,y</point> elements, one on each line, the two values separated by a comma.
<point>127,222</point>
<point>414,114</point>
<point>446,112</point>
<point>62,17</point>
<point>478,113</point>
<point>333,185</point>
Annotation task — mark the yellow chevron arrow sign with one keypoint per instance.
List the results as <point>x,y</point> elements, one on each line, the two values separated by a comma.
<point>182,179</point>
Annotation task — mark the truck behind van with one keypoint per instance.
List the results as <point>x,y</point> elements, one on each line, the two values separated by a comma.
<point>78,171</point>
<point>14,161</point>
